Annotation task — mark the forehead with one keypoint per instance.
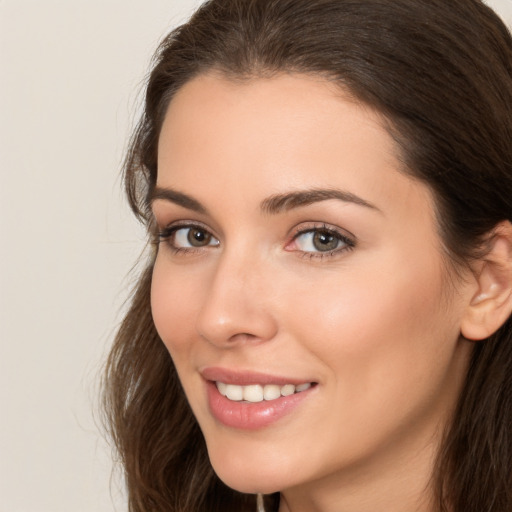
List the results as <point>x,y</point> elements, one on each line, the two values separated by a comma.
<point>268,135</point>
<point>282,103</point>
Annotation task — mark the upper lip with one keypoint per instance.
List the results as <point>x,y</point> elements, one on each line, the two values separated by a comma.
<point>246,378</point>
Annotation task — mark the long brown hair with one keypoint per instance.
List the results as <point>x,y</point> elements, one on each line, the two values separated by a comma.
<point>440,72</point>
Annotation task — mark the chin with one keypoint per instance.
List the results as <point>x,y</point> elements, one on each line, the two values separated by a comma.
<point>249,483</point>
<point>249,474</point>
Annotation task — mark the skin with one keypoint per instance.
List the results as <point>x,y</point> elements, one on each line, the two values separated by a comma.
<point>376,325</point>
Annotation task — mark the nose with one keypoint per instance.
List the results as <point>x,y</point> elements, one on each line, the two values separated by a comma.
<point>237,306</point>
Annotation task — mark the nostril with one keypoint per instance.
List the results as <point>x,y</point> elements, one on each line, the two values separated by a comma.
<point>243,336</point>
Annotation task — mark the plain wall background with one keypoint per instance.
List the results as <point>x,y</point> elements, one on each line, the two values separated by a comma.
<point>70,74</point>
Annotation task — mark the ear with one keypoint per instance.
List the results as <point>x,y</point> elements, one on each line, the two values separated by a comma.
<point>491,304</point>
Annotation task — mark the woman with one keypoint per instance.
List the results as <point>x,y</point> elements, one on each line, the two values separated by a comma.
<point>325,316</point>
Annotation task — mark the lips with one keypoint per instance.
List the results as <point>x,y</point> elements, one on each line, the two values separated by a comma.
<point>246,378</point>
<point>248,400</point>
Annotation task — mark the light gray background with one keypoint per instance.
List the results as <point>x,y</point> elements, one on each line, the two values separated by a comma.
<point>70,74</point>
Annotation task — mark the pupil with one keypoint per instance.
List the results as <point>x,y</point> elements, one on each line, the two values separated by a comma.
<point>325,241</point>
<point>198,237</point>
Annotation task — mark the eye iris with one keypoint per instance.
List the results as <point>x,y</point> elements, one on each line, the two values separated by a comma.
<point>324,241</point>
<point>198,237</point>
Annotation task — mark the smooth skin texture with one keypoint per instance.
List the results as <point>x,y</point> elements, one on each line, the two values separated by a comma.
<point>374,320</point>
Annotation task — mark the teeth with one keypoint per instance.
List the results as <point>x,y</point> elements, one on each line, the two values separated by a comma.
<point>234,392</point>
<point>271,392</point>
<point>222,388</point>
<point>287,390</point>
<point>257,393</point>
<point>253,393</point>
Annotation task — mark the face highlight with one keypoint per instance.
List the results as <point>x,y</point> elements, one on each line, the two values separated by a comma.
<point>300,288</point>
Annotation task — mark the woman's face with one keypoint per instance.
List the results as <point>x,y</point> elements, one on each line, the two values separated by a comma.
<point>301,273</point>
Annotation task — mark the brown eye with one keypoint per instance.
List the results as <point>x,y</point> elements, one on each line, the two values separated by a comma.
<point>188,237</point>
<point>321,242</point>
<point>197,237</point>
<point>324,241</point>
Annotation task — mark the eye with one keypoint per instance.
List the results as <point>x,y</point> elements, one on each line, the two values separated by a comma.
<point>192,237</point>
<point>320,241</point>
<point>187,237</point>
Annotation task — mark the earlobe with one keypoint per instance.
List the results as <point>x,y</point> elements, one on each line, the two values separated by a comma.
<point>491,305</point>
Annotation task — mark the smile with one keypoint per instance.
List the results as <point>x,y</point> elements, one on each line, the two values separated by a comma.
<point>258,393</point>
<point>249,400</point>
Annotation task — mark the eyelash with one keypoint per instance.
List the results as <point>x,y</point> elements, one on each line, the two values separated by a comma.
<point>166,235</point>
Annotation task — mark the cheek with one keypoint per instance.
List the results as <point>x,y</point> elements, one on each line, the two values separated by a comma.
<point>173,302</point>
<point>377,333</point>
<point>390,296</point>
<point>386,354</point>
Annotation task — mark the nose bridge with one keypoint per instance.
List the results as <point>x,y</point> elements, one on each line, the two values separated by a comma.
<point>235,306</point>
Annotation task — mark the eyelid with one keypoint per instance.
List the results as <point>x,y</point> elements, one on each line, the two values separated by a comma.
<point>185,223</point>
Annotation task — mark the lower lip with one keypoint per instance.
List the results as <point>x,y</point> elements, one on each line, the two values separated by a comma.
<point>248,415</point>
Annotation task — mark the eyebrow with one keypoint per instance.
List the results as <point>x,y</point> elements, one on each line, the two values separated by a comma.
<point>284,202</point>
<point>272,205</point>
<point>178,198</point>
